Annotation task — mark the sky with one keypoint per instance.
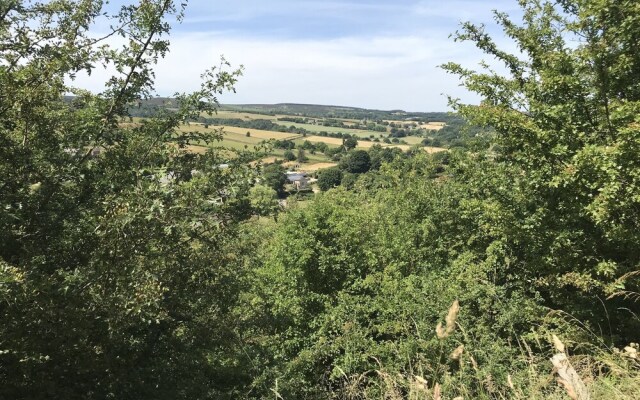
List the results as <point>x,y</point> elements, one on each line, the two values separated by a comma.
<point>362,53</point>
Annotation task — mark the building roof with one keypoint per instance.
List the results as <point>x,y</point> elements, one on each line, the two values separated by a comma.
<point>296,176</point>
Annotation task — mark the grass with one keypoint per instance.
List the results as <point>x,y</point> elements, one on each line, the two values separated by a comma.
<point>601,373</point>
<point>411,140</point>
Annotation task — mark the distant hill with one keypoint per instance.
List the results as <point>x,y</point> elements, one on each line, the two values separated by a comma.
<point>147,107</point>
<point>327,111</point>
<point>455,132</point>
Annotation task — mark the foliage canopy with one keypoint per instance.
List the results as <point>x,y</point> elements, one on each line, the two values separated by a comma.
<point>131,268</point>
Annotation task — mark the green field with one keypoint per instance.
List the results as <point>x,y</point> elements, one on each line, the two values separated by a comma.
<point>330,129</point>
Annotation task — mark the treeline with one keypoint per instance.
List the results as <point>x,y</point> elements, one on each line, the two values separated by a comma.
<point>262,124</point>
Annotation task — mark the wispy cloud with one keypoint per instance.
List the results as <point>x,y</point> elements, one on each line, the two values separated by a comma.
<point>369,53</point>
<point>462,10</point>
<point>380,72</point>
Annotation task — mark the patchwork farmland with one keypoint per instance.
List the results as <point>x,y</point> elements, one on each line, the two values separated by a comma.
<point>241,138</point>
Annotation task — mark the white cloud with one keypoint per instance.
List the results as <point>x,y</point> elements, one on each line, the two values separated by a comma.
<point>380,69</point>
<point>378,72</point>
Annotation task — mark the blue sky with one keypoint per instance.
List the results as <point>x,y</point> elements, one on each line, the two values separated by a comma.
<point>364,53</point>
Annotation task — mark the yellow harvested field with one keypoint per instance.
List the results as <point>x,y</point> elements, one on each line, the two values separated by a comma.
<point>196,149</point>
<point>269,160</point>
<point>255,133</point>
<point>337,141</point>
<point>403,147</point>
<point>433,126</point>
<point>365,144</point>
<point>316,166</point>
<point>432,150</point>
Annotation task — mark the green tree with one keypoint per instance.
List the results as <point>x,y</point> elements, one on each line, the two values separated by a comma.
<point>349,143</point>
<point>566,118</point>
<point>358,279</point>
<point>329,178</point>
<point>264,200</point>
<point>380,155</point>
<point>301,157</point>
<point>349,180</point>
<point>116,243</point>
<point>289,156</point>
<point>274,177</point>
<point>356,162</point>
<point>528,236</point>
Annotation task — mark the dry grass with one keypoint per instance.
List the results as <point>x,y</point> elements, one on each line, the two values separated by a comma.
<point>432,150</point>
<point>240,132</point>
<point>316,166</point>
<point>605,373</point>
<point>433,126</point>
<point>259,134</point>
<point>450,321</point>
<point>196,149</point>
<point>362,144</point>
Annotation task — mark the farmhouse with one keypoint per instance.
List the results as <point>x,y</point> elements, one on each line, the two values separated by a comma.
<point>298,179</point>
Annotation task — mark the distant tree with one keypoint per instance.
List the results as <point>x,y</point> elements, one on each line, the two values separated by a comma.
<point>329,178</point>
<point>248,134</point>
<point>350,143</point>
<point>380,155</point>
<point>357,161</point>
<point>283,144</point>
<point>322,147</point>
<point>289,156</point>
<point>333,152</point>
<point>301,157</point>
<point>274,176</point>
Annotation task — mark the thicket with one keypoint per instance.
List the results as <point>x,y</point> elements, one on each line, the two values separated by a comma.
<point>133,268</point>
<point>534,238</point>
